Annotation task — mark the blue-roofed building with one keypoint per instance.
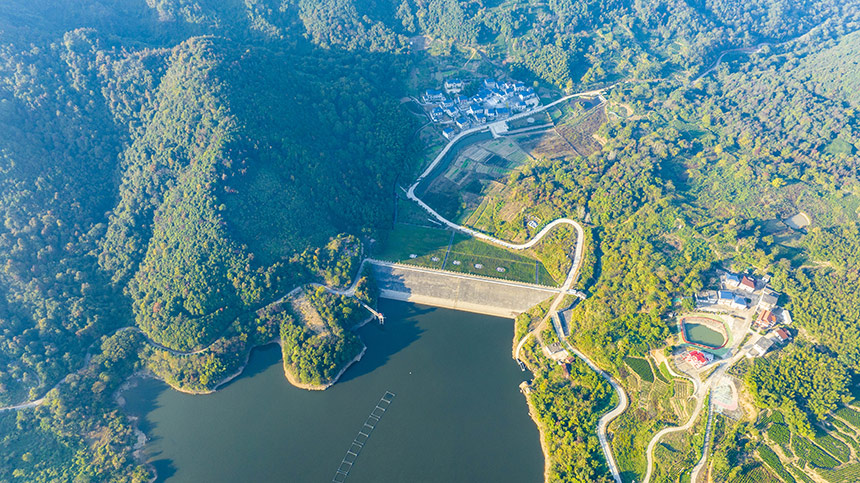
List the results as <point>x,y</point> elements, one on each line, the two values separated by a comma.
<point>732,280</point>
<point>451,111</point>
<point>448,132</point>
<point>489,83</point>
<point>462,122</point>
<point>502,112</point>
<point>436,114</point>
<point>480,117</point>
<point>724,297</point>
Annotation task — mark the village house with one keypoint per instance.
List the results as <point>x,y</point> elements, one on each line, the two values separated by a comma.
<point>747,284</point>
<point>766,319</point>
<point>433,96</point>
<point>782,335</point>
<point>698,359</point>
<point>732,281</point>
<point>453,86</point>
<point>436,114</point>
<point>724,297</point>
<point>448,132</point>
<point>492,102</point>
<point>768,300</point>
<point>761,347</point>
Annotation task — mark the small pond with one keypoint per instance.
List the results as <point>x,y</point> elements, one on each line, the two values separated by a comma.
<point>703,335</point>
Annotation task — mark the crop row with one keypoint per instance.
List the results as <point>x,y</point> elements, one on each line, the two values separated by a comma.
<point>805,449</point>
<point>835,447</point>
<point>779,433</point>
<point>847,434</point>
<point>757,474</point>
<point>771,459</point>
<point>641,367</point>
<point>850,415</point>
<point>844,474</point>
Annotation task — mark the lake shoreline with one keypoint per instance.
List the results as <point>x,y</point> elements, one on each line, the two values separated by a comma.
<point>293,379</point>
<point>525,389</point>
<point>142,442</point>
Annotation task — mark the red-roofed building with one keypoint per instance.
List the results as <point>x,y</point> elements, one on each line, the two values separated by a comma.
<point>747,284</point>
<point>782,335</point>
<point>698,359</point>
<point>765,320</point>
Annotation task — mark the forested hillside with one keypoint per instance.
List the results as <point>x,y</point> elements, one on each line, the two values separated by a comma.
<point>171,175</point>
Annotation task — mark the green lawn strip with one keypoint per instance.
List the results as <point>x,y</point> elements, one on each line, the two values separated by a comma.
<point>807,450</point>
<point>515,270</point>
<point>469,247</point>
<point>405,240</point>
<point>641,367</point>
<point>771,459</point>
<point>410,213</point>
<point>664,371</point>
<point>661,373</point>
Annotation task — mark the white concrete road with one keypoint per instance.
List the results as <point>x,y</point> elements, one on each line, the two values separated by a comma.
<point>566,286</point>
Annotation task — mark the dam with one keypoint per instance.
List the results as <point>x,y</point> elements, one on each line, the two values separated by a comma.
<point>457,291</point>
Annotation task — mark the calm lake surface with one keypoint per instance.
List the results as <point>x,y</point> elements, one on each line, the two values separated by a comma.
<point>457,416</point>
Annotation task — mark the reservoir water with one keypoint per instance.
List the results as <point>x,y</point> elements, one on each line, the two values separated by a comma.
<point>457,416</point>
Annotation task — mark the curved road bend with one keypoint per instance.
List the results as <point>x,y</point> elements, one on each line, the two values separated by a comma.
<point>568,283</point>
<point>700,395</point>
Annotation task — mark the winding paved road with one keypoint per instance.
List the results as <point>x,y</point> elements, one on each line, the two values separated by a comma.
<point>694,475</point>
<point>568,282</point>
<point>701,393</point>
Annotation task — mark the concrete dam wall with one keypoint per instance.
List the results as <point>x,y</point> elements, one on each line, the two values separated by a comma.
<point>457,291</point>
